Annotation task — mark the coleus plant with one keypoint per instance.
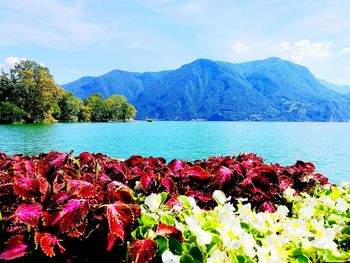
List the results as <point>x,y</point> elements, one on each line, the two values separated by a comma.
<point>59,205</point>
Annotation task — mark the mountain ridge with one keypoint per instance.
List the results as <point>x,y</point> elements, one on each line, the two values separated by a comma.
<point>262,90</point>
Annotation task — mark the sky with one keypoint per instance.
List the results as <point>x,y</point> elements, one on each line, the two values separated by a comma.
<point>76,38</point>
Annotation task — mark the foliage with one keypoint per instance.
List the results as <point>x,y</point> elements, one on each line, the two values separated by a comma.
<point>70,107</point>
<point>234,208</point>
<point>315,229</point>
<point>112,109</point>
<point>32,90</point>
<point>10,113</point>
<point>28,93</point>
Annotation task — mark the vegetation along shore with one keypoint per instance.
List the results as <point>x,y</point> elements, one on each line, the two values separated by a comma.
<point>223,209</point>
<point>29,94</point>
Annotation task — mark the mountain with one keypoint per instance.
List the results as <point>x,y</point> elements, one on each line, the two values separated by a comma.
<point>342,89</point>
<point>266,90</point>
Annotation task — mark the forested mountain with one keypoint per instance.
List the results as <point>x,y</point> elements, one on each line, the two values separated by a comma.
<point>266,90</point>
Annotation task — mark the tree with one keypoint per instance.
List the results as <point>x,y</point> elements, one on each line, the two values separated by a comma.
<point>70,107</point>
<point>10,113</point>
<point>34,91</point>
<point>98,107</point>
<point>85,113</point>
<point>115,107</point>
<point>6,87</point>
<point>128,111</point>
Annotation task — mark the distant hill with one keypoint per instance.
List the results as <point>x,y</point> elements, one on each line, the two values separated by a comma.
<point>266,90</point>
<point>342,89</point>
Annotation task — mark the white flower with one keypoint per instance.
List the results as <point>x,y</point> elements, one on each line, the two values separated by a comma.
<point>282,211</point>
<point>235,244</point>
<point>225,212</point>
<point>203,237</point>
<point>327,201</point>
<point>218,256</point>
<point>179,226</point>
<point>219,197</point>
<point>306,212</point>
<point>296,229</point>
<point>137,185</point>
<point>248,242</point>
<point>288,194</point>
<point>341,205</point>
<point>192,201</point>
<point>153,201</point>
<point>168,257</point>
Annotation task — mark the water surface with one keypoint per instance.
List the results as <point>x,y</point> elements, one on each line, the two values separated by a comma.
<point>327,145</point>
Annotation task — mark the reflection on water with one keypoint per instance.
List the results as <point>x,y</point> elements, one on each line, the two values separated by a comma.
<point>325,144</point>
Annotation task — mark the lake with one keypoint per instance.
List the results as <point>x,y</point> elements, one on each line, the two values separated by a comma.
<point>327,145</point>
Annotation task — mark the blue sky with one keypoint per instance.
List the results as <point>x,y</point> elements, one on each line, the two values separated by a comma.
<point>79,38</point>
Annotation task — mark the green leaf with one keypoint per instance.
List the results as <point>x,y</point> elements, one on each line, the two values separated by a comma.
<point>184,200</point>
<point>240,259</point>
<point>187,259</point>
<point>148,220</point>
<point>245,226</point>
<point>175,246</point>
<point>167,219</point>
<point>163,244</point>
<point>163,196</point>
<point>196,253</point>
<point>303,259</point>
<point>140,232</point>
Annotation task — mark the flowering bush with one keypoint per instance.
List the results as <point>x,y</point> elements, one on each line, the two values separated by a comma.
<point>234,208</point>
<point>315,229</point>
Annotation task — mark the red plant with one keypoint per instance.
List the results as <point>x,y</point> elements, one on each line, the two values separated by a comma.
<point>69,205</point>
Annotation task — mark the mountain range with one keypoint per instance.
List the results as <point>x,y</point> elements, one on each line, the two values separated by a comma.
<point>265,90</point>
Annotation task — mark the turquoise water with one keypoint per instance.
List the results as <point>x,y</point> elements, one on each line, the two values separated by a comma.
<point>327,145</point>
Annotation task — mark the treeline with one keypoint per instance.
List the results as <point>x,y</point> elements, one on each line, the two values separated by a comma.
<point>28,94</point>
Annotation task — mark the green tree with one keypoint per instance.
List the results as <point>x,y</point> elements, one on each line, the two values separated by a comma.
<point>6,87</point>
<point>115,107</point>
<point>99,111</point>
<point>10,113</point>
<point>34,91</point>
<point>128,111</point>
<point>70,107</point>
<point>85,113</point>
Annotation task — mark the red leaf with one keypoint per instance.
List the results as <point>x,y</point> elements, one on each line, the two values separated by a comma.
<point>120,191</point>
<point>174,202</point>
<point>176,165</point>
<point>146,180</point>
<point>29,213</point>
<point>86,158</point>
<point>285,182</point>
<point>121,217</point>
<point>196,172</point>
<point>71,215</point>
<point>166,230</point>
<point>267,206</point>
<point>81,189</point>
<point>111,240</point>
<point>142,251</point>
<point>14,248</point>
<point>169,184</point>
<point>59,197</point>
<point>47,243</point>
<point>28,187</point>
<point>223,178</point>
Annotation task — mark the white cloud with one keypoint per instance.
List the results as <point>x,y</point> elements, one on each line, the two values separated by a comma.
<point>10,62</point>
<point>344,50</point>
<point>49,23</point>
<point>240,48</point>
<point>306,49</point>
<point>284,45</point>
